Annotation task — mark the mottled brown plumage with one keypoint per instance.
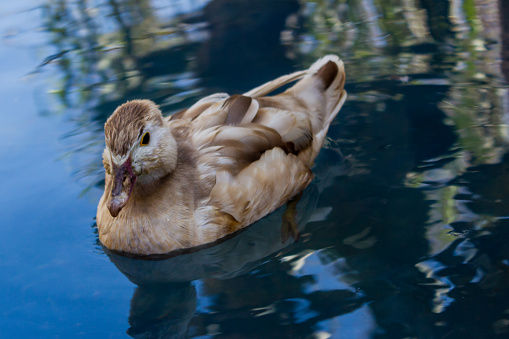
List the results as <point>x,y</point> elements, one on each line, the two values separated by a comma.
<point>237,107</point>
<point>216,167</point>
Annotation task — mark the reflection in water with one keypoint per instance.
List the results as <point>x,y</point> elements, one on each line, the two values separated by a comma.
<point>162,311</point>
<point>411,237</point>
<point>504,26</point>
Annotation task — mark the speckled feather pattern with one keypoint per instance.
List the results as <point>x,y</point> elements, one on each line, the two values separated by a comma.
<point>226,161</point>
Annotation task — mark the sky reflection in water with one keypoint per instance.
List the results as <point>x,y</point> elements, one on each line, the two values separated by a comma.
<point>404,232</point>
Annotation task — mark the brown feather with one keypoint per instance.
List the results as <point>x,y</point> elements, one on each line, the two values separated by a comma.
<point>328,73</point>
<point>254,141</point>
<point>237,106</point>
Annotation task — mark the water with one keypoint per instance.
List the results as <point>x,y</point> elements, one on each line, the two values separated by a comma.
<point>404,232</point>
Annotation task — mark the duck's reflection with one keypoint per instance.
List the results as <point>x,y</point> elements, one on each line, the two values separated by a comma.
<point>162,310</point>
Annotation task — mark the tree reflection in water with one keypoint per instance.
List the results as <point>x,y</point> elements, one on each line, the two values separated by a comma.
<point>410,239</point>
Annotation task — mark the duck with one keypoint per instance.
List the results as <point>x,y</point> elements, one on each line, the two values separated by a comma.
<point>204,173</point>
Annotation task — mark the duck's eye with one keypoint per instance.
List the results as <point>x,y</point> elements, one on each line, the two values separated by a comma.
<point>145,139</point>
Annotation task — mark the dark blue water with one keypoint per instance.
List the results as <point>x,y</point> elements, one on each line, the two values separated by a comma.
<point>403,233</point>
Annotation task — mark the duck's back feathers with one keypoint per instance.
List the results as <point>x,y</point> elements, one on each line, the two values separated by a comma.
<point>255,152</point>
<point>240,109</point>
<point>301,115</point>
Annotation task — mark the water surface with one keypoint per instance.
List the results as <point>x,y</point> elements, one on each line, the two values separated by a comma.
<point>403,233</point>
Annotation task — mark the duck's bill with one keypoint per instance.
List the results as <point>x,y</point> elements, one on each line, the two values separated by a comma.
<point>123,184</point>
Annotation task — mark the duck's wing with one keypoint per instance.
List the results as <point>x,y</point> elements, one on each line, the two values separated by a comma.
<point>247,171</point>
<point>255,153</point>
<point>249,167</point>
<point>233,148</point>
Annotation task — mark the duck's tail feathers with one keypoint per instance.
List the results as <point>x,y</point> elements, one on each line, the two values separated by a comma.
<point>323,87</point>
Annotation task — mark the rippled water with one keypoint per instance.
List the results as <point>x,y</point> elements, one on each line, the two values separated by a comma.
<point>403,233</point>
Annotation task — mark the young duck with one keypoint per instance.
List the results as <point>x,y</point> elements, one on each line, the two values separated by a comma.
<point>206,172</point>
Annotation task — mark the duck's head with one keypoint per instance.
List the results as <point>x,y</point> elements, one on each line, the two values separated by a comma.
<point>140,149</point>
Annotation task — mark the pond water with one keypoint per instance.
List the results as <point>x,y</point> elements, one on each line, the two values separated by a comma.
<point>403,233</point>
